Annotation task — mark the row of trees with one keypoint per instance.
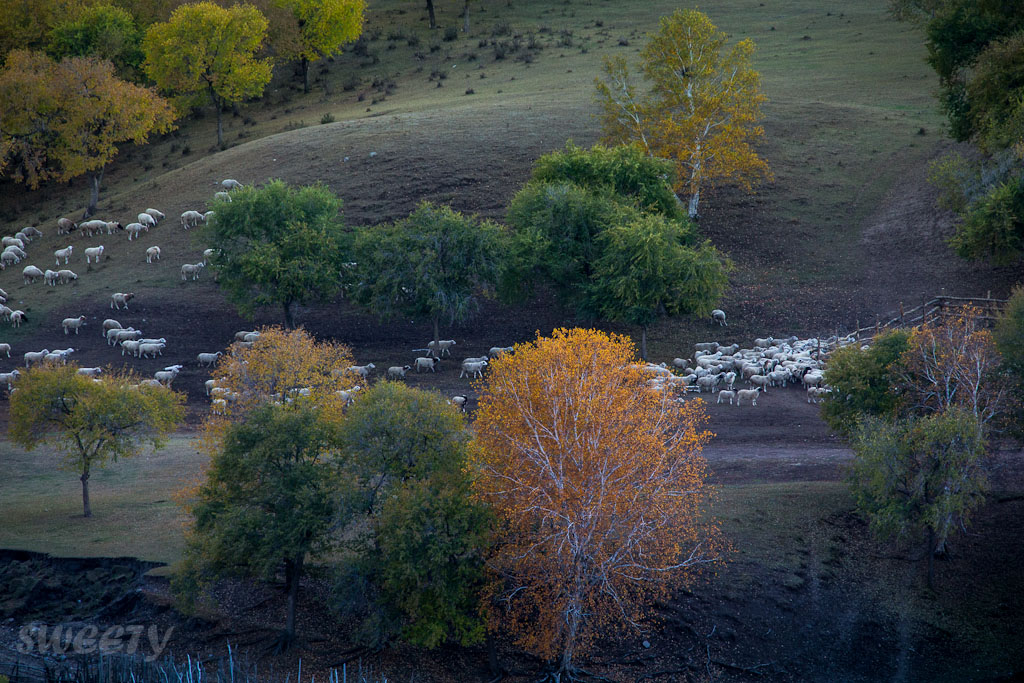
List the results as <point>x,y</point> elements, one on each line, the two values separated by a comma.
<point>577,501</point>
<point>919,408</point>
<point>601,225</point>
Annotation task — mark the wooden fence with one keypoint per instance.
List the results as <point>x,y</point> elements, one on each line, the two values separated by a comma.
<point>935,310</point>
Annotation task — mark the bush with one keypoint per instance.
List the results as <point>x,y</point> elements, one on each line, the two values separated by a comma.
<point>327,118</point>
<point>451,33</point>
<point>994,225</point>
<point>864,382</point>
<point>1009,336</point>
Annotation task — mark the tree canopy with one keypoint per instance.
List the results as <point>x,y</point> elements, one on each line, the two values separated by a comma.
<point>208,50</point>
<point>865,382</point>
<point>91,423</point>
<point>324,26</point>
<point>278,245</point>
<point>701,110</point>
<point>102,31</point>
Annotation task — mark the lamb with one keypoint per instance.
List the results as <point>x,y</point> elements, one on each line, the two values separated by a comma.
<point>208,254</point>
<point>119,299</point>
<point>729,379</point>
<point>113,226</point>
<point>747,394</point>
<point>361,370</point>
<point>66,276</point>
<point>157,215</point>
<point>50,277</point>
<point>222,196</point>
<point>191,269</point>
<point>31,231</point>
<point>30,273</point>
<point>90,372</point>
<point>231,184</point>
<point>110,324</point>
<point>134,230</point>
<point>93,253</point>
<point>425,362</point>
<point>23,237</point>
<point>17,318</point>
<point>64,253</point>
<point>64,226</point>
<point>499,350</point>
<point>9,378</point>
<point>167,375</point>
<point>210,384</point>
<point>146,221</point>
<point>718,316</point>
<point>348,395</point>
<point>726,394</point>
<point>152,253</point>
<point>35,356</point>
<point>209,358</point>
<point>191,219</point>
<point>459,401</point>
<point>72,323</point>
<point>444,346</point>
<point>6,348</point>
<point>397,371</point>
<point>475,369</point>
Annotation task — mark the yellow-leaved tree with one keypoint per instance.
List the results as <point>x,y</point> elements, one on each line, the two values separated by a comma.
<point>701,109</point>
<point>59,120</point>
<point>324,26</point>
<point>204,49</point>
<point>598,487</point>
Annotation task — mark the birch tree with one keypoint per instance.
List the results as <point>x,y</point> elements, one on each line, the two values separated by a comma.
<point>701,110</point>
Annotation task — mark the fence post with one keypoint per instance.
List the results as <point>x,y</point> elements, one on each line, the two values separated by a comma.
<point>901,314</point>
<point>856,333</point>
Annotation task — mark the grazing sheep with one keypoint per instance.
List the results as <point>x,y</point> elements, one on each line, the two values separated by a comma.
<point>361,370</point>
<point>66,276</point>
<point>219,406</point>
<point>50,277</point>
<point>110,324</point>
<point>222,196</point>
<point>444,346</point>
<point>133,230</point>
<point>93,253</point>
<point>191,219</point>
<point>710,347</point>
<point>348,395</point>
<point>718,316</point>
<point>157,215</point>
<point>9,378</point>
<point>119,299</point>
<point>89,228</point>
<point>8,258</point>
<point>191,269</point>
<point>64,253</point>
<point>31,231</point>
<point>251,336</point>
<point>35,356</point>
<point>90,372</point>
<point>152,253</point>
<point>208,254</point>
<point>726,394</point>
<point>399,370</point>
<point>146,221</point>
<point>474,369</point>
<point>113,226</point>
<point>12,242</point>
<point>423,363</point>
<point>64,226</point>
<point>6,348</point>
<point>209,358</point>
<point>30,273</point>
<point>167,375</point>
<point>499,350</point>
<point>72,323</point>
<point>459,401</point>
<point>231,184</point>
<point>747,394</point>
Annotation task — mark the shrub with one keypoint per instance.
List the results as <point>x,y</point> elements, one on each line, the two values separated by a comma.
<point>864,381</point>
<point>451,33</point>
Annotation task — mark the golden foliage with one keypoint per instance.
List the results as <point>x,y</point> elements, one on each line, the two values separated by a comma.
<point>598,485</point>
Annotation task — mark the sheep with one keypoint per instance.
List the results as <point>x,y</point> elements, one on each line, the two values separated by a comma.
<point>90,372</point>
<point>251,336</point>
<point>660,370</point>
<point>133,230</point>
<point>348,395</point>
<point>150,383</point>
<point>475,359</point>
<point>222,196</point>
<point>726,394</point>
<point>167,375</point>
<point>64,253</point>
<point>241,346</point>
<point>191,269</point>
<point>113,226</point>
<point>708,382</point>
<point>17,251</point>
<point>5,312</point>
<point>93,227</point>
<point>444,346</point>
<point>3,295</point>
<point>72,324</point>
<point>219,406</point>
<point>66,276</point>
<point>397,371</point>
<point>152,253</point>
<point>425,362</point>
<point>499,350</point>
<point>64,226</point>
<point>747,394</point>
<point>812,378</point>
<point>119,299</point>
<point>729,379</point>
<point>110,324</point>
<point>210,384</point>
<point>710,347</point>
<point>117,335</point>
<point>17,318</point>
<point>23,237</point>
<point>680,363</point>
<point>30,273</point>
<point>130,346</point>
<point>6,348</point>
<point>55,357</point>
<point>208,254</point>
<point>207,216</point>
<point>32,231</point>
<point>157,215</point>
<point>718,316</point>
<point>161,340</point>
<point>12,241</point>
<point>146,221</point>
<point>241,334</point>
<point>9,378</point>
<point>35,356</point>
<point>764,343</point>
<point>459,401</point>
<point>191,219</point>
<point>475,369</point>
<point>8,258</point>
<point>361,370</point>
<point>761,381</point>
<point>93,253</point>
<point>155,349</point>
<point>231,184</point>
<point>209,358</point>
<point>50,277</point>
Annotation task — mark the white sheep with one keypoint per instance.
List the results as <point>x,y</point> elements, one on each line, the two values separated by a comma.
<point>718,316</point>
<point>65,276</point>
<point>88,228</point>
<point>17,318</point>
<point>12,241</point>
<point>157,215</point>
<point>474,369</point>
<point>17,251</point>
<point>35,356</point>
<point>219,406</point>
<point>361,370</point>
<point>423,363</point>
<point>146,221</point>
<point>240,335</point>
<point>30,273</point>
<point>167,375</point>
<point>93,253</point>
<point>207,255</point>
<point>760,381</point>
<point>191,219</point>
<point>154,350</point>
<point>130,346</point>
<point>747,394</point>
<point>72,323</point>
<point>231,184</point>
<point>6,348</point>
<point>134,230</point>
<point>459,401</point>
<point>348,395</point>
<point>191,270</point>
<point>210,384</point>
<point>708,382</point>
<point>397,371</point>
<point>709,347</point>
<point>119,299</point>
<point>152,253</point>
<point>110,324</point>
<point>64,226</point>
<point>726,394</point>
<point>31,231</point>
<point>8,258</point>
<point>499,350</point>
<point>9,378</point>
<point>113,226</point>
<point>444,346</point>
<point>118,335</point>
<point>764,343</point>
<point>64,253</point>
<point>90,372</point>
<point>209,358</point>
<point>222,196</point>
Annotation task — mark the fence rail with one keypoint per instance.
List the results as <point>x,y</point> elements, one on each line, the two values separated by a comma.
<point>934,310</point>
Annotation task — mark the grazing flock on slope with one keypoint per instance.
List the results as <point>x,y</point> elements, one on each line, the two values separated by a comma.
<point>769,363</point>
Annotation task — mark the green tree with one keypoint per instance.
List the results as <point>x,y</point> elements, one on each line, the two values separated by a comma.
<point>324,26</point>
<point>701,110</point>
<point>924,476</point>
<point>864,381</point>
<point>420,570</point>
<point>273,497</point>
<point>60,120</point>
<point>433,264</point>
<point>102,31</point>
<point>646,271</point>
<point>91,423</point>
<point>1009,337</point>
<point>993,226</point>
<point>207,49</point>
<point>25,24</point>
<point>278,246</point>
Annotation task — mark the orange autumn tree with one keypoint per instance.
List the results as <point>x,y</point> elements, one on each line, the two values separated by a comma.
<point>598,485</point>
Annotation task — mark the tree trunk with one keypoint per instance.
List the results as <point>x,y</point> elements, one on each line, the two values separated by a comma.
<point>305,75</point>
<point>86,510</point>
<point>930,552</point>
<point>465,17</point>
<point>293,570</point>
<point>694,200</point>
<point>289,320</point>
<point>94,193</point>
<point>437,338</point>
<point>430,11</point>
<point>643,342</point>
